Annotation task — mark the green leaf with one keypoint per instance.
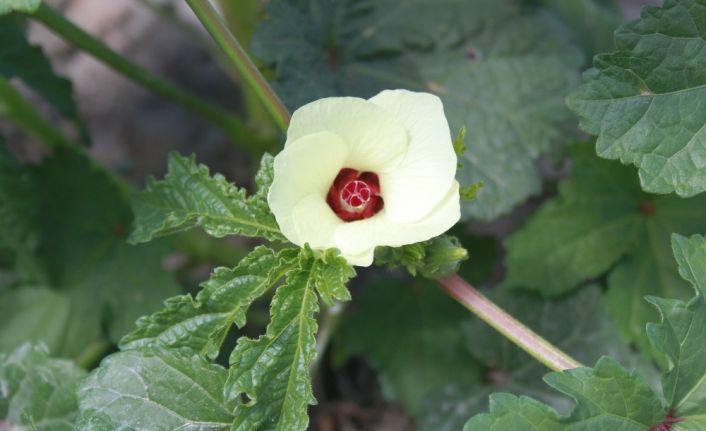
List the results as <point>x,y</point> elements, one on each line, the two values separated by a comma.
<point>20,59</point>
<point>37,392</point>
<point>88,281</point>
<point>200,325</point>
<point>644,100</point>
<point>508,412</point>
<point>592,333</point>
<point>272,372</point>
<point>24,6</point>
<point>154,390</point>
<point>690,254</point>
<point>489,61</point>
<point>189,196</point>
<point>609,398</point>
<point>411,333</point>
<point>602,222</point>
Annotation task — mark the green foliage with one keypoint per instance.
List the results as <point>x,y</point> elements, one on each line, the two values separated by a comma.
<point>154,389</point>
<point>608,397</point>
<point>590,334</point>
<point>200,325</point>
<point>272,372</point>
<point>645,100</point>
<point>411,333</point>
<point>489,61</point>
<point>75,273</point>
<point>20,59</point>
<point>436,257</point>
<point>189,196</point>
<point>24,6</point>
<point>36,391</point>
<point>602,222</point>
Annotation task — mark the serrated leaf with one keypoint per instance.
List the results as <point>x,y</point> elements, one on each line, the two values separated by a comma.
<point>24,6</point>
<point>200,325</point>
<point>411,333</point>
<point>265,175</point>
<point>38,392</point>
<point>602,222</point>
<point>189,196</point>
<point>508,412</point>
<point>85,275</point>
<point>272,372</point>
<point>591,334</point>
<point>489,61</point>
<point>645,100</point>
<point>609,398</point>
<point>20,59</point>
<point>690,254</point>
<point>153,390</point>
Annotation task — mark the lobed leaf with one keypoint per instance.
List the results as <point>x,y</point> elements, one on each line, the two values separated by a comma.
<point>36,391</point>
<point>607,225</point>
<point>200,325</point>
<point>645,100</point>
<point>189,196</point>
<point>489,61</point>
<point>154,389</point>
<point>271,373</point>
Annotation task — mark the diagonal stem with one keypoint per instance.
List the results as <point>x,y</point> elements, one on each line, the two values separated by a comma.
<point>235,53</point>
<point>515,331</point>
<point>231,125</point>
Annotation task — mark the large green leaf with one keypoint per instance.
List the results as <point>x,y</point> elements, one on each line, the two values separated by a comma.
<point>489,61</point>
<point>411,334</point>
<point>37,392</point>
<point>591,334</point>
<point>200,325</point>
<point>90,283</point>
<point>610,398</point>
<point>269,376</point>
<point>189,196</point>
<point>645,100</point>
<point>153,390</point>
<point>600,222</point>
<point>20,59</point>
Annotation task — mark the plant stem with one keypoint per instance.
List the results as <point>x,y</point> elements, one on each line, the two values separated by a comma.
<point>330,318</point>
<point>236,54</point>
<point>525,338</point>
<point>232,126</point>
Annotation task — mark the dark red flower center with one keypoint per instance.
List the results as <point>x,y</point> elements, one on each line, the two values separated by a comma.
<point>355,195</point>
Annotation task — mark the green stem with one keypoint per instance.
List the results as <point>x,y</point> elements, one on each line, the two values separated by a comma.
<point>232,126</point>
<point>15,108</point>
<point>521,335</point>
<point>328,322</point>
<point>239,58</point>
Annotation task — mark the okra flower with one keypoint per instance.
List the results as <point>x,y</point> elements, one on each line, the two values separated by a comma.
<point>355,174</point>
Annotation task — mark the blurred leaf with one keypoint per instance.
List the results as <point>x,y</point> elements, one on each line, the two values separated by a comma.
<point>20,59</point>
<point>592,22</point>
<point>189,196</point>
<point>24,6</point>
<point>86,277</point>
<point>489,61</point>
<point>592,333</point>
<point>200,325</point>
<point>645,100</point>
<point>602,222</point>
<point>38,392</point>
<point>154,389</point>
<point>272,372</point>
<point>690,254</point>
<point>411,333</point>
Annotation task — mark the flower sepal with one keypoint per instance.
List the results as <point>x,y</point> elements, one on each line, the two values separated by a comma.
<point>437,257</point>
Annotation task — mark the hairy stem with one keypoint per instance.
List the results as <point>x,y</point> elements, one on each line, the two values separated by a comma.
<point>235,53</point>
<point>521,335</point>
<point>231,125</point>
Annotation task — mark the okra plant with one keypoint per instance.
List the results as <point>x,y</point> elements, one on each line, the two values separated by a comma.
<point>431,145</point>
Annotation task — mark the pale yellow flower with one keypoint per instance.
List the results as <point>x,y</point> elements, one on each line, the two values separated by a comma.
<point>355,174</point>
